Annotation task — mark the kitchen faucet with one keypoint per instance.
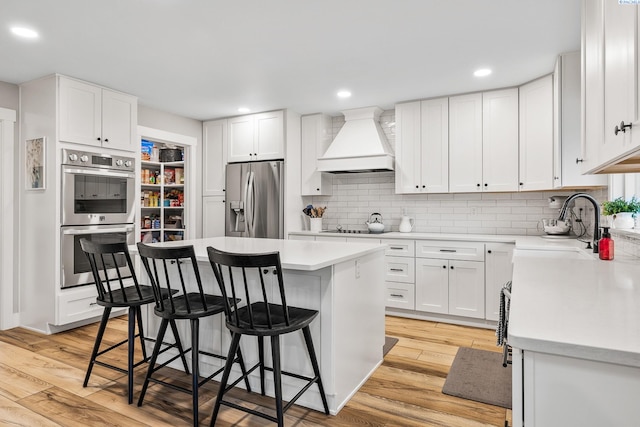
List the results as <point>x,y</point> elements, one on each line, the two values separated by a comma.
<point>564,211</point>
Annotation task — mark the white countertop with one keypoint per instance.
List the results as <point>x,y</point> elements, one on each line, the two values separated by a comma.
<point>294,254</point>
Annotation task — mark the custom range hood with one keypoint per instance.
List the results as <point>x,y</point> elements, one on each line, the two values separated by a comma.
<point>360,145</point>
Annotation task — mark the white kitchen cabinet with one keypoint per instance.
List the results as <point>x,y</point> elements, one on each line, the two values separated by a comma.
<point>432,285</point>
<point>256,137</point>
<point>316,137</point>
<point>450,278</point>
<point>592,91</point>
<point>214,157</point>
<point>610,88</point>
<point>536,134</point>
<point>422,146</point>
<point>213,216</point>
<point>92,115</point>
<point>567,124</point>
<point>498,271</point>
<point>500,140</point>
<point>465,143</point>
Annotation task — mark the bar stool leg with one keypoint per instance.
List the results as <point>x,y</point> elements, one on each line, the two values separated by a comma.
<point>96,345</point>
<point>261,357</point>
<point>131,344</point>
<point>194,368</point>
<point>277,377</point>
<point>314,363</point>
<point>141,333</point>
<point>176,337</point>
<point>233,349</point>
<point>154,356</point>
<point>243,368</point>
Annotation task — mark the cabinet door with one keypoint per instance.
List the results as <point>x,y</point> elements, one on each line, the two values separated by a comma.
<point>536,134</point>
<point>80,112</point>
<point>213,216</point>
<point>498,271</point>
<point>500,140</point>
<point>557,123</point>
<point>465,143</point>
<point>592,83</point>
<point>466,288</point>
<point>269,136</point>
<point>432,285</point>
<point>434,156</point>
<point>408,148</point>
<point>119,121</point>
<point>214,157</point>
<point>620,84</point>
<point>241,135</point>
<point>316,138</point>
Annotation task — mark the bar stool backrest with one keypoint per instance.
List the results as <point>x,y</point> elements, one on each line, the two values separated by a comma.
<point>159,263</point>
<point>103,257</point>
<point>232,271</point>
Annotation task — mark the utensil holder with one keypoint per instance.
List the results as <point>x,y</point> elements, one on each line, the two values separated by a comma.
<point>315,225</point>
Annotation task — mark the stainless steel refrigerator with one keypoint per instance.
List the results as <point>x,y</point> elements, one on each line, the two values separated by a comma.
<point>255,200</point>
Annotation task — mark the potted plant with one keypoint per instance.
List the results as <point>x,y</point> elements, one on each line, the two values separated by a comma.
<point>623,211</point>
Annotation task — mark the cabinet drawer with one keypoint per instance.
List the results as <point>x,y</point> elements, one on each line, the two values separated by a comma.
<point>468,251</point>
<point>400,247</point>
<point>399,269</point>
<point>400,295</point>
<point>80,304</point>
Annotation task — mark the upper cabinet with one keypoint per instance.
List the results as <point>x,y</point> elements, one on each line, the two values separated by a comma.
<point>256,137</point>
<point>214,157</point>
<point>568,159</point>
<point>536,134</point>
<point>500,140</point>
<point>422,146</point>
<point>610,132</point>
<point>316,138</point>
<point>465,143</point>
<point>91,115</point>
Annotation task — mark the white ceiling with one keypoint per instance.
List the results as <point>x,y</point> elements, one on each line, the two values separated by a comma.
<point>205,58</point>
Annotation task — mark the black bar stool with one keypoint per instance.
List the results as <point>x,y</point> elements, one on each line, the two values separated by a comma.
<point>261,318</point>
<point>167,268</point>
<point>113,292</point>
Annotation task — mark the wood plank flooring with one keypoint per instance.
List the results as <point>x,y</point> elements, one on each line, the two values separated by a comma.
<point>41,385</point>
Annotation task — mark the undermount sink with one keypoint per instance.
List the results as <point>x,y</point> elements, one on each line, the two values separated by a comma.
<point>564,253</point>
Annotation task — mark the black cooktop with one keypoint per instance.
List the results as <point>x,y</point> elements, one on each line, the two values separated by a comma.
<point>354,231</point>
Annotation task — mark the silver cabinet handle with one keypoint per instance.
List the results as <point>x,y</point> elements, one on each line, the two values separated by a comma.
<point>396,269</point>
<point>396,248</point>
<point>448,250</point>
<point>397,295</point>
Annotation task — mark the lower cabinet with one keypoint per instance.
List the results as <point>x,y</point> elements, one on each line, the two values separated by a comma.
<point>213,216</point>
<point>498,271</point>
<point>450,287</point>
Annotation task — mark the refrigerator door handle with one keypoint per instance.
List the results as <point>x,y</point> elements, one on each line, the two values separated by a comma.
<point>250,206</point>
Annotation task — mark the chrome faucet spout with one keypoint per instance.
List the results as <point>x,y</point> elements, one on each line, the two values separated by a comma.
<point>564,212</point>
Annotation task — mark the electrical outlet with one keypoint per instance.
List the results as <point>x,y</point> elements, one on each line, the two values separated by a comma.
<point>474,211</point>
<point>357,269</point>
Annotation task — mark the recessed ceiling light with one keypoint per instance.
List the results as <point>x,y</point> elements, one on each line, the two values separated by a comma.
<point>243,110</point>
<point>344,94</point>
<point>482,72</point>
<point>26,33</point>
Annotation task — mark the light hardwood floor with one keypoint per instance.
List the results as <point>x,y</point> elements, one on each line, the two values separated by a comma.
<point>41,385</point>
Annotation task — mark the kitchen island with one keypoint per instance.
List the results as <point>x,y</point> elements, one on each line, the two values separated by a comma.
<point>344,282</point>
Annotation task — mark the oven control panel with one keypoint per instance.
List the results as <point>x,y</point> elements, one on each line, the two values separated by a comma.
<point>97,160</point>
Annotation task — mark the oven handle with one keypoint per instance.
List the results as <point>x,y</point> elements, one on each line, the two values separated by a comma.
<point>75,232</point>
<point>78,171</point>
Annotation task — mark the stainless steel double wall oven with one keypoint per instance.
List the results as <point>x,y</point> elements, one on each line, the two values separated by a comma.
<point>98,199</point>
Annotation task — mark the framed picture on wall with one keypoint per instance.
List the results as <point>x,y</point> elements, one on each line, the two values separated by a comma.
<point>35,164</point>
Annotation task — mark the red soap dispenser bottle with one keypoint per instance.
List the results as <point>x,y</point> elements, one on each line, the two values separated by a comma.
<point>605,245</point>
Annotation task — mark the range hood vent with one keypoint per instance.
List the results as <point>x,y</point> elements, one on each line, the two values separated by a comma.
<point>360,145</point>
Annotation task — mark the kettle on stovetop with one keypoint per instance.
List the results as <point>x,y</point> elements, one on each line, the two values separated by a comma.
<point>375,224</point>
